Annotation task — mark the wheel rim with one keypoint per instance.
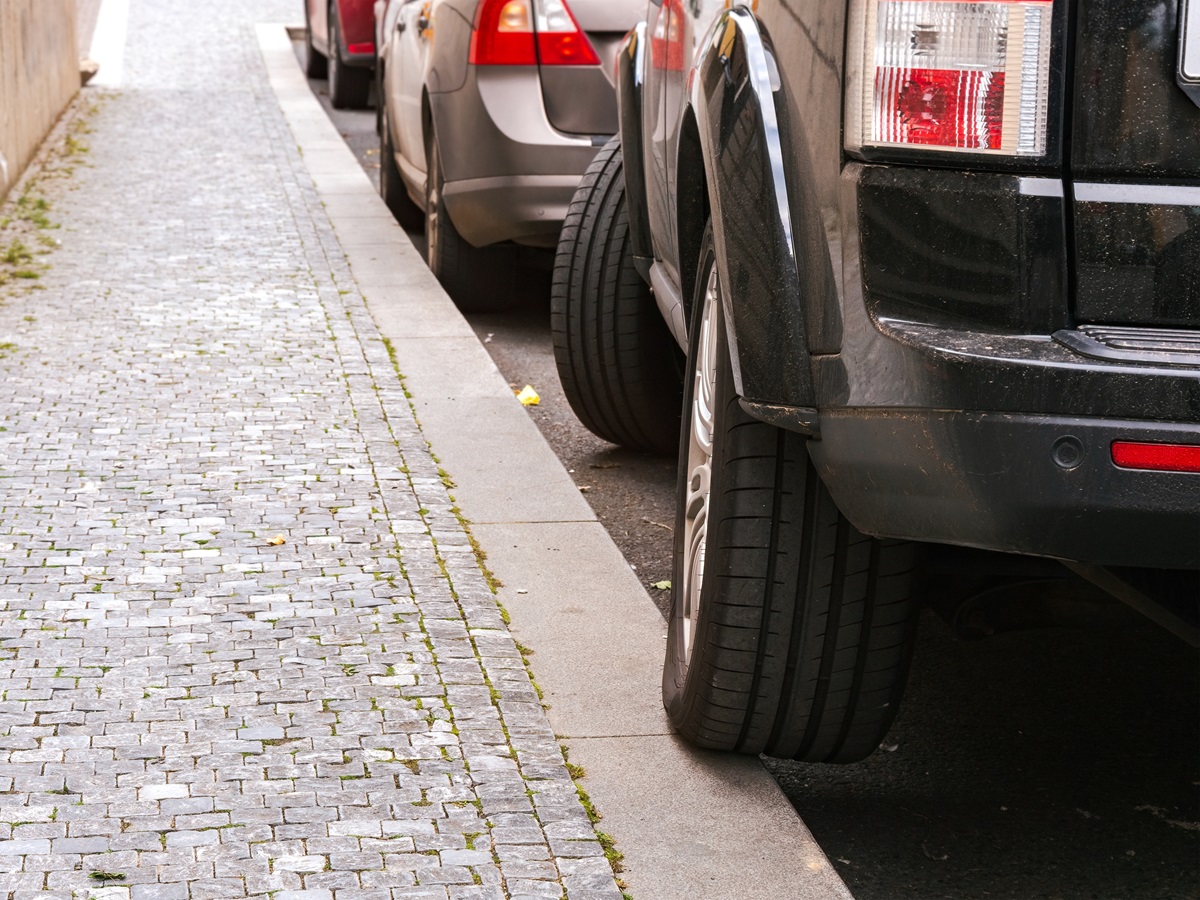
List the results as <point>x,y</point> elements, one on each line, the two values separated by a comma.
<point>334,40</point>
<point>385,149</point>
<point>699,466</point>
<point>432,208</point>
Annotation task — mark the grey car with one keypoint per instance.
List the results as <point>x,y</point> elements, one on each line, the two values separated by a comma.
<point>490,112</point>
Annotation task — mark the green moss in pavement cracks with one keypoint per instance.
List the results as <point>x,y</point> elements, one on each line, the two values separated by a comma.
<point>25,218</point>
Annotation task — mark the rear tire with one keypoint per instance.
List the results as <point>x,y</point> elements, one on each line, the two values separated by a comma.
<point>349,86</point>
<point>478,279</point>
<point>790,632</point>
<point>391,186</point>
<point>619,365</point>
<point>315,65</point>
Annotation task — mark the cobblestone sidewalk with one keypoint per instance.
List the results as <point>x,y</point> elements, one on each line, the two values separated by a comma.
<point>245,645</point>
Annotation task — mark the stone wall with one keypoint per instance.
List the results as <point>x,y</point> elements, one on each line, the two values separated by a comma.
<point>39,74</point>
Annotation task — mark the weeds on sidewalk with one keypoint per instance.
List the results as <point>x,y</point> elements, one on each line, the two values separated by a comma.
<point>616,859</point>
<point>26,224</point>
<point>608,845</point>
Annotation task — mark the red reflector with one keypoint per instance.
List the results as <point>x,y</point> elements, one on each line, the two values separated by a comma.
<point>503,34</point>
<point>355,49</point>
<point>566,49</point>
<point>1159,457</point>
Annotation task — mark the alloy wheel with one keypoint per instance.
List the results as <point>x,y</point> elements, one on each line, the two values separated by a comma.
<point>433,195</point>
<point>335,63</point>
<point>702,422</point>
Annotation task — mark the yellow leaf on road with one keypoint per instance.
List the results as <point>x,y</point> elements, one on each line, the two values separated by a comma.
<point>528,396</point>
<point>277,540</point>
<point>662,585</point>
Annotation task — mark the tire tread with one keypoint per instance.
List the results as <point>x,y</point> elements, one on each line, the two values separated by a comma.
<point>807,625</point>
<point>616,361</point>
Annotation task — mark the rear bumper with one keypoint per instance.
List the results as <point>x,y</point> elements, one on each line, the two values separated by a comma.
<point>528,209</point>
<point>509,175</point>
<point>357,20</point>
<point>1039,485</point>
<point>359,60</point>
<point>949,413</point>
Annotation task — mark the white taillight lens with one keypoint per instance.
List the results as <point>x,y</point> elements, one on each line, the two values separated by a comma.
<point>959,75</point>
<point>553,16</point>
<point>561,42</point>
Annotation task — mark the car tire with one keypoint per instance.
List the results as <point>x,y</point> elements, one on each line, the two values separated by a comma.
<point>315,64</point>
<point>478,279</point>
<point>790,632</point>
<point>349,86</point>
<point>618,363</point>
<point>391,187</point>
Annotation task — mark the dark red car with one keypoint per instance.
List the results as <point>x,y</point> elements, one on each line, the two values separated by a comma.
<point>339,40</point>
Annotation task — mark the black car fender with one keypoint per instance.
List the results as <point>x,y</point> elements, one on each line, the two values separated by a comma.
<point>732,96</point>
<point>631,62</point>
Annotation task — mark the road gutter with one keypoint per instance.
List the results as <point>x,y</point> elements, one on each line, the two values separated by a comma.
<point>690,823</point>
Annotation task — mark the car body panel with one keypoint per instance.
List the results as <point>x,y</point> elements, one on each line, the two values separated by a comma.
<point>357,21</point>
<point>1125,89</point>
<point>1137,248</point>
<point>509,169</point>
<point>580,99</point>
<point>1035,485</point>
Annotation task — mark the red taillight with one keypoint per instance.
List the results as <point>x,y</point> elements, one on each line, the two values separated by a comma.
<point>357,49</point>
<point>1159,457</point>
<point>529,32</point>
<point>503,34</point>
<point>666,42</point>
<point>963,75</point>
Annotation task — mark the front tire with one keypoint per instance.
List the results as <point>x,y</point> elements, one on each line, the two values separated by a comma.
<point>478,279</point>
<point>790,632</point>
<point>349,86</point>
<point>618,364</point>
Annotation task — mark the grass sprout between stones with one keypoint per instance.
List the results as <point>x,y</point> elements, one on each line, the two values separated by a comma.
<point>26,226</point>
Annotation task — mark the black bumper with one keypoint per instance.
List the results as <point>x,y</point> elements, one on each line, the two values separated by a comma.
<point>1039,485</point>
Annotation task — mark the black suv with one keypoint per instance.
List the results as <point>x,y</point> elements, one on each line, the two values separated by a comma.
<point>923,277</point>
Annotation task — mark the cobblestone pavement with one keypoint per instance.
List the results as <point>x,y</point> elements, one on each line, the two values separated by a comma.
<point>245,646</point>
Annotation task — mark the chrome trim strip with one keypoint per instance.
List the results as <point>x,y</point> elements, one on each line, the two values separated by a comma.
<point>1041,187</point>
<point>1149,194</point>
<point>1085,344</point>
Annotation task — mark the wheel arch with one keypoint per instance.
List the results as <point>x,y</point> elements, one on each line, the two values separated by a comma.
<point>692,207</point>
<point>732,101</point>
<point>631,67</point>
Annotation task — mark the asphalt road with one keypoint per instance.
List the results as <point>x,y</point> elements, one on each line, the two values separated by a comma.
<point>1054,763</point>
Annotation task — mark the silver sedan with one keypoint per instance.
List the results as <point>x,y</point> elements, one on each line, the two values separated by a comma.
<point>490,111</point>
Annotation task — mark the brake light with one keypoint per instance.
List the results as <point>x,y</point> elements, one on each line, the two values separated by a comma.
<point>960,75</point>
<point>503,34</point>
<point>666,43</point>
<point>528,33</point>
<point>1157,457</point>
